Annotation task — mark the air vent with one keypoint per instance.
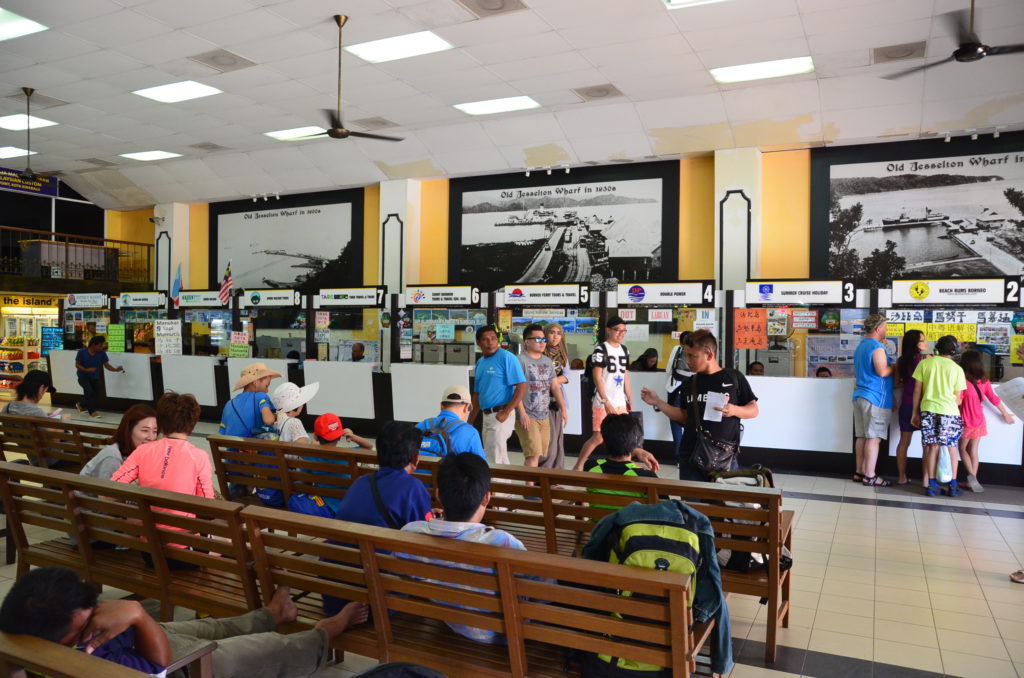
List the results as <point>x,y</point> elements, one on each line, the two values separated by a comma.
<point>591,162</point>
<point>222,60</point>
<point>597,92</point>
<point>620,159</point>
<point>208,146</point>
<point>99,162</point>
<point>486,8</point>
<point>904,52</point>
<point>39,101</point>
<point>374,123</point>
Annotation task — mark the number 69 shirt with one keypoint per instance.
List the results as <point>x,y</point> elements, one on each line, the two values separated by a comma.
<point>615,362</point>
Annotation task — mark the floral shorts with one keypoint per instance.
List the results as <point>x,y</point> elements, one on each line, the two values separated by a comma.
<point>941,429</point>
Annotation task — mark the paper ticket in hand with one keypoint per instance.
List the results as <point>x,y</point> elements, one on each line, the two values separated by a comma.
<point>714,400</point>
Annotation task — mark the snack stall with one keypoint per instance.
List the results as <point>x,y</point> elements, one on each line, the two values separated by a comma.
<point>138,312</point>
<point>25,319</point>
<point>436,328</point>
<point>655,315</point>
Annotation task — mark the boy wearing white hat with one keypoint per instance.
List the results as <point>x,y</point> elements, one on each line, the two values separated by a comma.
<point>289,400</point>
<point>251,409</point>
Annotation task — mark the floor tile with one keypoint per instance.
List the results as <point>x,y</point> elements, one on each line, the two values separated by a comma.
<point>744,671</point>
<point>1010,629</point>
<point>863,607</point>
<point>907,614</point>
<point>969,623</point>
<point>842,622</point>
<point>974,666</point>
<point>845,574</point>
<point>978,606</point>
<point>912,634</point>
<point>844,644</point>
<point>1007,611</point>
<point>912,656</point>
<point>1015,648</point>
<point>901,581</point>
<point>905,597</point>
<point>849,589</point>
<point>984,646</point>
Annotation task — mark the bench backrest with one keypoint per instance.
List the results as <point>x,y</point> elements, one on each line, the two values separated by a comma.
<point>46,440</point>
<point>157,523</point>
<point>525,596</point>
<point>562,512</point>
<point>54,660</point>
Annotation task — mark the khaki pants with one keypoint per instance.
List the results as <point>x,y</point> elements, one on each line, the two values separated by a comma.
<point>536,441</point>
<point>248,646</point>
<point>495,437</point>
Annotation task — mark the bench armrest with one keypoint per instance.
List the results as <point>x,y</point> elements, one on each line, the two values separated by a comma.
<point>199,662</point>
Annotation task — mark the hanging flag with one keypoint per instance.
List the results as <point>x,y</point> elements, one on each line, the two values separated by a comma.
<point>176,288</point>
<point>226,285</point>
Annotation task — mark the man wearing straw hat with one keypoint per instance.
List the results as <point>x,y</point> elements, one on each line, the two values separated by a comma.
<point>252,408</point>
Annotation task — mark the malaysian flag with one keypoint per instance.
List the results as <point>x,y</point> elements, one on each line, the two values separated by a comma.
<point>226,285</point>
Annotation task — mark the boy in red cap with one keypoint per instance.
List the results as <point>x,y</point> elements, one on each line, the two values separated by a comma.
<point>328,430</point>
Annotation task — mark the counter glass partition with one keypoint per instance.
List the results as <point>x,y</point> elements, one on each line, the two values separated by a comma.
<point>206,331</point>
<point>80,325</point>
<point>277,332</point>
<point>354,335</point>
<point>578,325</point>
<point>445,335</point>
<point>139,334</point>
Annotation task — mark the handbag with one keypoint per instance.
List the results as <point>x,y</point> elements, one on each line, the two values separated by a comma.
<point>709,454</point>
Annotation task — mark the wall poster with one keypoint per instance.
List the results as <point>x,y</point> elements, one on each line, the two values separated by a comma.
<point>304,242</point>
<point>597,225</point>
<point>922,208</point>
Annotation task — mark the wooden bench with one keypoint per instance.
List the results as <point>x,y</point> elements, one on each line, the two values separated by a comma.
<point>18,652</point>
<point>143,522</point>
<point>560,515</point>
<point>544,604</point>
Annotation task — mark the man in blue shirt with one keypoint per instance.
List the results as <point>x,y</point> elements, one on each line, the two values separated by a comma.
<point>456,402</point>
<point>88,362</point>
<point>498,388</point>
<point>872,399</point>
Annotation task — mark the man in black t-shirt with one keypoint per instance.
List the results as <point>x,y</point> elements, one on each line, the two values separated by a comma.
<point>709,376</point>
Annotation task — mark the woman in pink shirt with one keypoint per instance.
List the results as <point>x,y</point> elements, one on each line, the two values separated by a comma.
<point>973,414</point>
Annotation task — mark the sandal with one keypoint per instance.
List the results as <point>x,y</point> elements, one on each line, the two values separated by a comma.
<point>858,477</point>
<point>876,481</point>
<point>905,482</point>
<point>1017,577</point>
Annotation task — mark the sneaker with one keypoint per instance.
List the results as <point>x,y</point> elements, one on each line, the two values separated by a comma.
<point>972,482</point>
<point>96,415</point>
<point>933,488</point>
<point>954,489</point>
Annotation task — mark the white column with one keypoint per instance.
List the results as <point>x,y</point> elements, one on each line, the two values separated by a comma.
<point>737,200</point>
<point>172,219</point>
<point>399,232</point>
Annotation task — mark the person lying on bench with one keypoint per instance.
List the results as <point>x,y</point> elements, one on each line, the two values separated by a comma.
<point>54,604</point>
<point>622,434</point>
<point>463,482</point>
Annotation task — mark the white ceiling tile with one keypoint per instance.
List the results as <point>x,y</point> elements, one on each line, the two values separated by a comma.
<point>59,14</point>
<point>430,14</point>
<point>492,29</point>
<point>560,81</point>
<point>511,49</point>
<point>49,46</point>
<point>624,29</point>
<point>720,14</point>
<point>471,161</point>
<point>896,33</point>
<point>411,149</point>
<point>540,152</point>
<point>570,14</point>
<point>243,79</point>
<point>129,81</point>
<point>659,87</point>
<point>258,23</point>
<point>151,174</point>
<point>10,61</point>
<point>371,27</point>
<point>287,89</point>
<point>779,28</point>
<point>330,153</point>
<point>315,12</point>
<point>775,101</point>
<point>323,62</point>
<point>109,30</point>
<point>186,69</point>
<point>595,120</point>
<point>450,82</point>
<point>754,52</point>
<point>98,64</point>
<point>541,66</point>
<point>230,164</point>
<point>173,45</point>
<point>971,113</point>
<point>874,121</point>
<point>522,129</point>
<point>866,15</point>
<point>190,170</point>
<point>304,178</point>
<point>384,91</point>
<point>481,93</point>
<point>558,99</point>
<point>450,61</point>
<point>611,145</point>
<point>82,91</point>
<point>467,135</point>
<point>835,63</point>
<point>40,76</point>
<point>669,46</point>
<point>988,77</point>
<point>863,91</point>
<point>182,13</point>
<point>295,43</point>
<point>644,68</point>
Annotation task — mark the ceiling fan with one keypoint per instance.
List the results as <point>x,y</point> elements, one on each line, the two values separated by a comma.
<point>28,174</point>
<point>969,46</point>
<point>336,129</point>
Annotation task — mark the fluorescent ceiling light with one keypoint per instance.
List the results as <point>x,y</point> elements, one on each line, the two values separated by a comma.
<point>177,91</point>
<point>295,134</point>
<point>763,69</point>
<point>21,122</point>
<point>13,152</point>
<point>497,105</point>
<point>151,155</point>
<point>14,25</point>
<point>680,4</point>
<point>399,47</point>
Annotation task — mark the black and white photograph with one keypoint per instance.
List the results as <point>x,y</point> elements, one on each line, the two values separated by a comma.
<point>952,216</point>
<point>586,232</point>
<point>288,246</point>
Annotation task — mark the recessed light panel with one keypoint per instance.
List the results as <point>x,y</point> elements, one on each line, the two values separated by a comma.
<point>680,4</point>
<point>151,155</point>
<point>763,70</point>
<point>13,152</point>
<point>295,134</point>
<point>399,47</point>
<point>14,25</point>
<point>21,122</point>
<point>497,105</point>
<point>177,91</point>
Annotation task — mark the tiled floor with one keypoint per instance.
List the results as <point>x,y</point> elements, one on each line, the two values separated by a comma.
<point>887,583</point>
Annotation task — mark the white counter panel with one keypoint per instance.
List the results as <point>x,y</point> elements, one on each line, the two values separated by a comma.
<point>63,371</point>
<point>191,374</point>
<point>656,424</point>
<point>573,397</point>
<point>801,413</point>
<point>236,365</point>
<point>1002,445</point>
<point>416,388</point>
<point>136,382</point>
<point>346,389</point>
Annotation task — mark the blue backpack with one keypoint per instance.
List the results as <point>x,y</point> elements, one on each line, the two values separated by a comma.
<point>437,441</point>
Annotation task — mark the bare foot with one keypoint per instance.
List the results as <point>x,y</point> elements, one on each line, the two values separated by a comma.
<point>282,607</point>
<point>350,615</point>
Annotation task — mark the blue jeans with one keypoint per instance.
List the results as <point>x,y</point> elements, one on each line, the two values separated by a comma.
<point>90,392</point>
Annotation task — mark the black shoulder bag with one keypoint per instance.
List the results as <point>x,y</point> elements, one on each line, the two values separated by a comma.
<point>380,504</point>
<point>709,455</point>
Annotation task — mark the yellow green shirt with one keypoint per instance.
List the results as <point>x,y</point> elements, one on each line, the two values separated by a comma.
<point>942,380</point>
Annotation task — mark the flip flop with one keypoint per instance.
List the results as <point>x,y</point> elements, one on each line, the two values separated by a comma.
<point>1017,577</point>
<point>905,482</point>
<point>858,477</point>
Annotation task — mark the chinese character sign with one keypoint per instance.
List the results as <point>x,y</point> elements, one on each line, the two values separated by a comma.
<point>750,328</point>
